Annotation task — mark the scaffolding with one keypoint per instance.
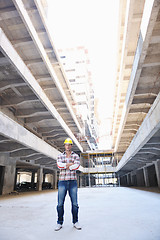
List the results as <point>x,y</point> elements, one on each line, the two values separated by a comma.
<point>100,163</point>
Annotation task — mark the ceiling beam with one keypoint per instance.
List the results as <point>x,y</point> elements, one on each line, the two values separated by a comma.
<point>26,74</point>
<point>11,101</point>
<point>27,21</point>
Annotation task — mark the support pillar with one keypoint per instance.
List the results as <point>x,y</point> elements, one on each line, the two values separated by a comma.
<point>80,180</point>
<point>15,180</point>
<point>89,179</point>
<point>85,181</point>
<point>7,173</point>
<point>44,176</point>
<point>55,179</point>
<point>39,179</point>
<point>140,178</point>
<point>132,182</point>
<point>9,179</point>
<point>146,178</point>
<point>128,179</point>
<point>157,168</point>
<point>32,179</point>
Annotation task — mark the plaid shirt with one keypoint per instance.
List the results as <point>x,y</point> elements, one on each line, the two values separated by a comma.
<point>68,174</point>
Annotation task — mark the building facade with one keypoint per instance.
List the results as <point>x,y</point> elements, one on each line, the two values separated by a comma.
<point>77,69</point>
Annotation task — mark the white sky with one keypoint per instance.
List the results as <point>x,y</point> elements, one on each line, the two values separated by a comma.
<point>93,24</point>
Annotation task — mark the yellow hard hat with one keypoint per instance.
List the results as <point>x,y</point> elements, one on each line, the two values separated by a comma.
<point>68,141</point>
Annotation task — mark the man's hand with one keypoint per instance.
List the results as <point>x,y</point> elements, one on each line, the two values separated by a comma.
<point>68,165</point>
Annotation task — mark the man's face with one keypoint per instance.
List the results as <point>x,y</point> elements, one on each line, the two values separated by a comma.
<point>68,147</point>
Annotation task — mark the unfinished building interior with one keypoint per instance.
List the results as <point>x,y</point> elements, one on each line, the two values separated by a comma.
<point>37,105</point>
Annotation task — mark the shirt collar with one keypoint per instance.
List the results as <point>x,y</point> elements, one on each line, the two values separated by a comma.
<point>64,153</point>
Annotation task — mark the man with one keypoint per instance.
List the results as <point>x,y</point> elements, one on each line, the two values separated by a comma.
<point>68,162</point>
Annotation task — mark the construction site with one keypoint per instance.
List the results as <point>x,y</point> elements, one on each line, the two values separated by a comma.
<point>45,99</point>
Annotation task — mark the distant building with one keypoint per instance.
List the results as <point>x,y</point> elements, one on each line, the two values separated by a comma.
<point>77,68</point>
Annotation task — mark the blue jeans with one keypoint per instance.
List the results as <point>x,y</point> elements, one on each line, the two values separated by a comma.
<point>71,187</point>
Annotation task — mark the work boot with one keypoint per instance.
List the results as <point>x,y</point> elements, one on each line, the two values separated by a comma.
<point>77,226</point>
<point>58,227</point>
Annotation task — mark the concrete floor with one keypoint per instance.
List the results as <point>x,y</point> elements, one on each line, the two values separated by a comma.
<point>105,213</point>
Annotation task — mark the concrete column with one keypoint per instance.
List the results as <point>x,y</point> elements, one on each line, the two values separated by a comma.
<point>129,179</point>
<point>140,178</point>
<point>103,176</point>
<point>89,179</point>
<point>55,180</point>
<point>152,176</point>
<point>146,178</point>
<point>120,180</point>
<point>2,168</point>
<point>123,180</point>
<point>157,168</point>
<point>39,178</point>
<point>32,179</point>
<point>44,176</point>
<point>15,180</point>
<point>8,173</point>
<point>9,179</point>
<point>80,180</point>
<point>85,181</point>
<point>132,181</point>
<point>98,178</point>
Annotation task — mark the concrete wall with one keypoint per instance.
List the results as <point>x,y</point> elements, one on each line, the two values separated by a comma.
<point>148,176</point>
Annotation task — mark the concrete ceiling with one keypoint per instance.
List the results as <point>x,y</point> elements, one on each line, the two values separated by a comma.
<point>138,99</point>
<point>33,87</point>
